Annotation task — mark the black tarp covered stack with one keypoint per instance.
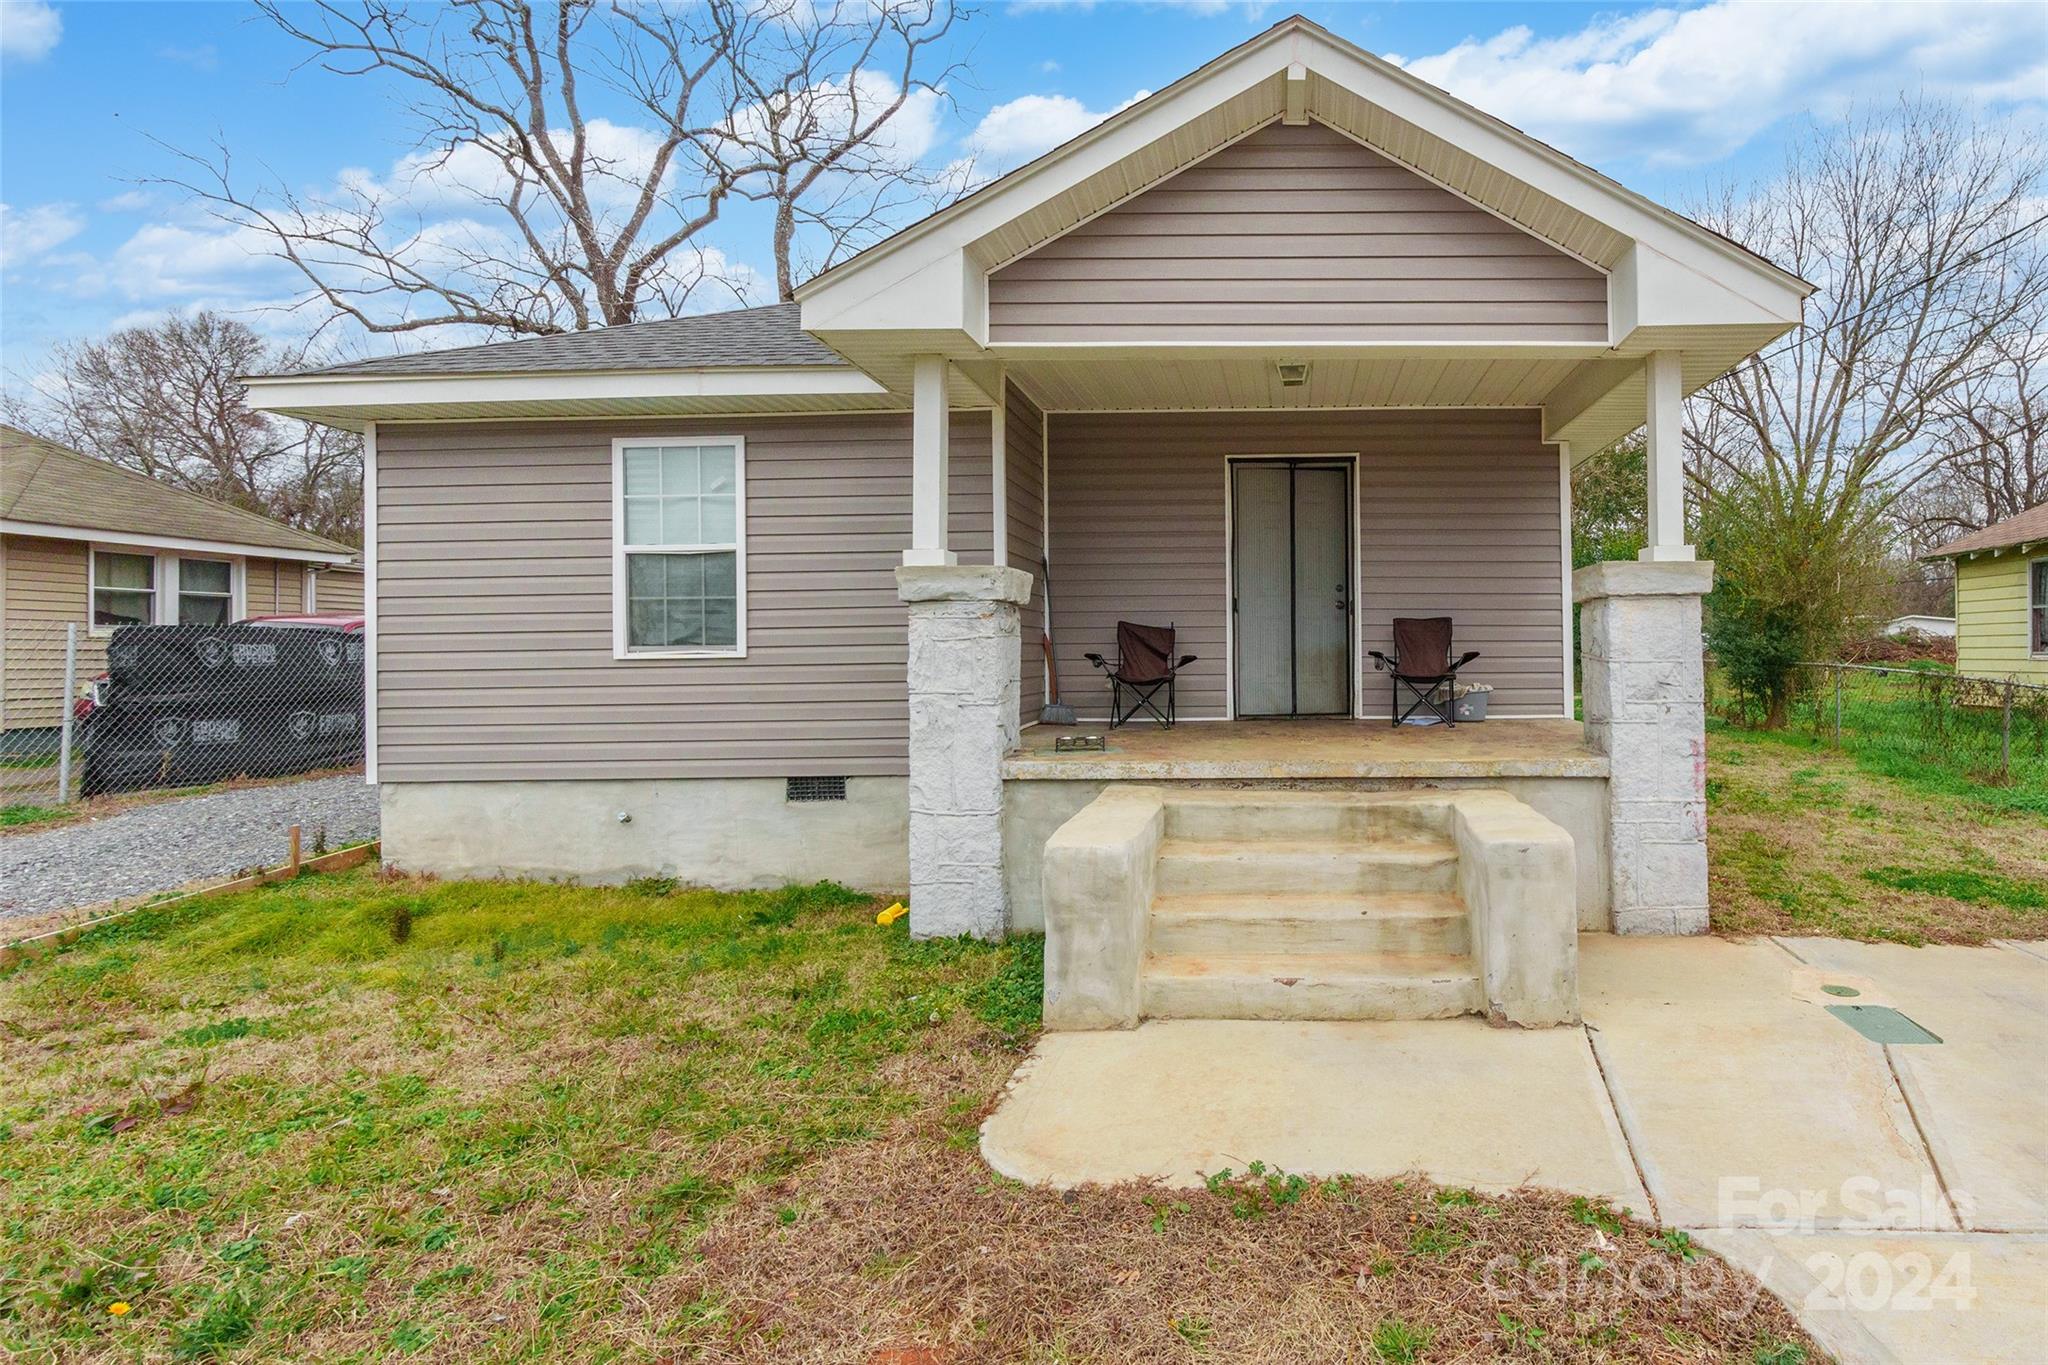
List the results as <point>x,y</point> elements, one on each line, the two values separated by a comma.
<point>187,705</point>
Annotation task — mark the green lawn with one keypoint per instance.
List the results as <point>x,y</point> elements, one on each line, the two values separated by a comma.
<point>1806,839</point>
<point>356,1118</point>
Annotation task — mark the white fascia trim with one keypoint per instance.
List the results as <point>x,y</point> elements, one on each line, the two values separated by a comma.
<point>379,391</point>
<point>128,541</point>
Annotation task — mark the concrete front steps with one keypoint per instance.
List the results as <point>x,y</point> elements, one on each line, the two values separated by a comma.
<point>1308,905</point>
<point>1171,902</point>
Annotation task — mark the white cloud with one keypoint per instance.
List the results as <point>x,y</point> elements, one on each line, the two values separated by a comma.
<point>127,201</point>
<point>1019,129</point>
<point>29,29</point>
<point>1678,87</point>
<point>30,234</point>
<point>204,57</point>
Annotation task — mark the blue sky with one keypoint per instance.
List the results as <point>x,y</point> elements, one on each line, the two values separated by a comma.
<point>1667,99</point>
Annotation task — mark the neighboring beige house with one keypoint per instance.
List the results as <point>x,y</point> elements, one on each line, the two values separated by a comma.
<point>85,541</point>
<point>2002,597</point>
<point>1294,347</point>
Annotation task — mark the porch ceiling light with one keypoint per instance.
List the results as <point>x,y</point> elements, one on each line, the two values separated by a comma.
<point>1293,373</point>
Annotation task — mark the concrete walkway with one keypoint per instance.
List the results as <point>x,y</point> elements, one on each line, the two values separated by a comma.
<point>1896,1195</point>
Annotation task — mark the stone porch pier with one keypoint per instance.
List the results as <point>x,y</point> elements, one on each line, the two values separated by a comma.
<point>964,679</point>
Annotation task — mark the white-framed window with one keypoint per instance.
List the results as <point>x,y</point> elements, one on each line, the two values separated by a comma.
<point>206,591</point>
<point>131,587</point>
<point>123,589</point>
<point>679,547</point>
<point>2037,606</point>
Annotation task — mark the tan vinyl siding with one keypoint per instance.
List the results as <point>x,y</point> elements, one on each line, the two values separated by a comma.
<point>1023,469</point>
<point>45,586</point>
<point>1991,618</point>
<point>1296,233</point>
<point>338,590</point>
<point>495,610</point>
<point>1458,515</point>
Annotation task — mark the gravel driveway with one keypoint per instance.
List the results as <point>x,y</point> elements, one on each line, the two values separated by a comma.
<point>168,845</point>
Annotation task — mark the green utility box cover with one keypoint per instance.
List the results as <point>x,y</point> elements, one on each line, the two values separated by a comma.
<point>1881,1024</point>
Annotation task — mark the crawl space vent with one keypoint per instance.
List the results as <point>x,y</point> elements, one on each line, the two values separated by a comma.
<point>815,789</point>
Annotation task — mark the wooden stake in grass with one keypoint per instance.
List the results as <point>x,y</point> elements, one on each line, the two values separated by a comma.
<point>294,862</point>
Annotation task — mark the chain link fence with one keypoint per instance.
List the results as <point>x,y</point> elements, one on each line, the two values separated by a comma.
<point>151,707</point>
<point>1990,730</point>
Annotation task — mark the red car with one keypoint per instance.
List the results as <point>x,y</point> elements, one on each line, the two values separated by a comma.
<point>330,620</point>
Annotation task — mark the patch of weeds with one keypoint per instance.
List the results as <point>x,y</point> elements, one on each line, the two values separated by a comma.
<point>1676,1242</point>
<point>222,1031</point>
<point>228,1320</point>
<point>1595,1213</point>
<point>1163,1210</point>
<point>1454,1198</point>
<point>1396,1343</point>
<point>246,1252</point>
<point>1963,884</point>
<point>653,886</point>
<point>1518,1333</point>
<point>1012,1002</point>
<point>1775,1352</point>
<point>27,814</point>
<point>1194,1331</point>
<point>1438,1239</point>
<point>408,1337</point>
<point>1261,1190</point>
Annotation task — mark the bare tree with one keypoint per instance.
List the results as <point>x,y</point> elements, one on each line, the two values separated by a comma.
<point>799,104</point>
<point>167,401</point>
<point>1922,228</point>
<point>1995,432</point>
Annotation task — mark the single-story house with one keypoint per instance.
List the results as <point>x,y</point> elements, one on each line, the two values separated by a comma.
<point>87,542</point>
<point>2001,625</point>
<point>1297,346</point>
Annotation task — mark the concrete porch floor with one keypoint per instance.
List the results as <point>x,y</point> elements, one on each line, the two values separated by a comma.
<point>1309,749</point>
<point>1710,1089</point>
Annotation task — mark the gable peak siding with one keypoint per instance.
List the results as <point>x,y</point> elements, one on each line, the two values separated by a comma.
<point>1297,234</point>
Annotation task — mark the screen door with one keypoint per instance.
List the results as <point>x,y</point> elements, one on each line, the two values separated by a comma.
<point>1291,580</point>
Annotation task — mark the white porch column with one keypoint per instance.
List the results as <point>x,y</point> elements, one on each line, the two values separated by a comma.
<point>1664,427</point>
<point>930,425</point>
<point>1645,702</point>
<point>964,679</point>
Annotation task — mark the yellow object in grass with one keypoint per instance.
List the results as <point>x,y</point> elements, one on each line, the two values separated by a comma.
<point>895,912</point>
<point>117,1309</point>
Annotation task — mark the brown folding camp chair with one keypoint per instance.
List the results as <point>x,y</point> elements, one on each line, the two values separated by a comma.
<point>1145,668</point>
<point>1422,660</point>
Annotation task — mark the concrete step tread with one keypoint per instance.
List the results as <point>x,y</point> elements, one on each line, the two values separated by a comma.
<point>1406,849</point>
<point>1360,967</point>
<point>1311,905</point>
<point>1255,796</point>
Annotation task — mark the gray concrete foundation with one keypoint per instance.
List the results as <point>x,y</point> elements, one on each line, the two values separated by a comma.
<point>1645,708</point>
<point>964,681</point>
<point>730,833</point>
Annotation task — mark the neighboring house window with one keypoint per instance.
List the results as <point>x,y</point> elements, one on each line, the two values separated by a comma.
<point>2039,602</point>
<point>679,570</point>
<point>206,592</point>
<point>123,590</point>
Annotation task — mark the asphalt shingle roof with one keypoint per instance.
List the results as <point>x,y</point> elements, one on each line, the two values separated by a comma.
<point>46,484</point>
<point>744,337</point>
<point>2023,528</point>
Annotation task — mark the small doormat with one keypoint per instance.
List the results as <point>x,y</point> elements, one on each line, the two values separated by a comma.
<point>1881,1024</point>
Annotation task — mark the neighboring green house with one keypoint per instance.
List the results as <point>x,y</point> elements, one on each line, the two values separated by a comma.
<point>2002,597</point>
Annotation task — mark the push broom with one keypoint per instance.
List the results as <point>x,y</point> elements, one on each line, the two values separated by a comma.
<point>1055,711</point>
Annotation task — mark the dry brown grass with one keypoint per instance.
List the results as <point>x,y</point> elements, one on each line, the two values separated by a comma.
<point>1801,841</point>
<point>545,1123</point>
